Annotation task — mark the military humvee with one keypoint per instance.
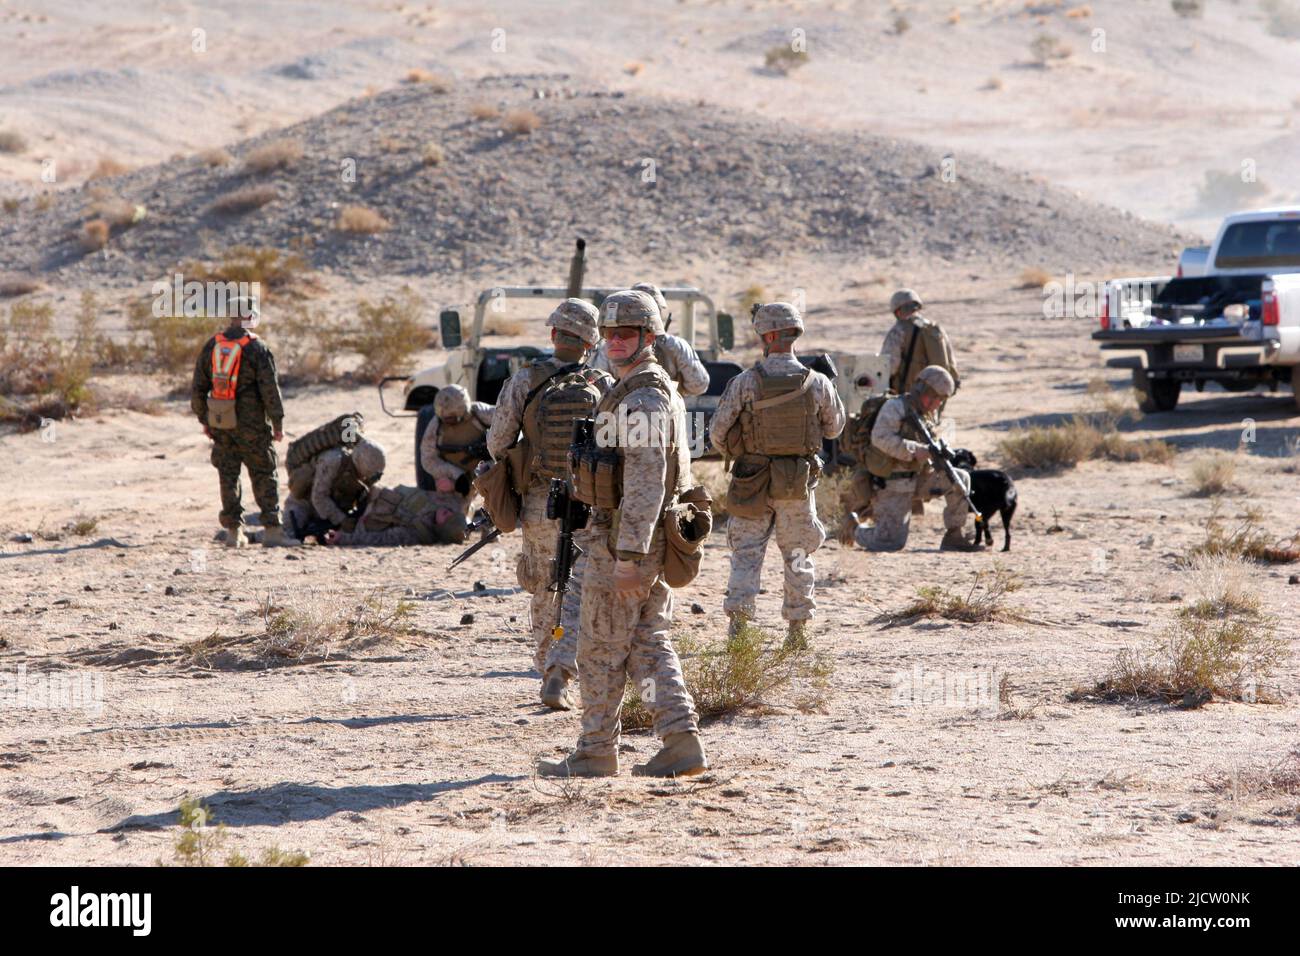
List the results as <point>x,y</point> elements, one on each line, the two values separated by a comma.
<point>483,369</point>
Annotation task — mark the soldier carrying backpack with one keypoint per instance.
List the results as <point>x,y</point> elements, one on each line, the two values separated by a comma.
<point>532,428</point>
<point>331,471</point>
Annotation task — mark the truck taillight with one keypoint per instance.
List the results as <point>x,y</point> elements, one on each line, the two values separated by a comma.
<point>1105,309</point>
<point>1269,315</point>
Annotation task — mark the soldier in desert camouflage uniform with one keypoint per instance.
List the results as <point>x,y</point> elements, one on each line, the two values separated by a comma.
<point>405,516</point>
<point>455,442</point>
<point>772,419</point>
<point>627,607</point>
<point>915,342</point>
<point>898,456</point>
<point>334,485</point>
<point>673,353</point>
<point>235,370</point>
<point>573,332</point>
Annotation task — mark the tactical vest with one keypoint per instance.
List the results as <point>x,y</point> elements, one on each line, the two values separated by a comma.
<point>454,442</point>
<point>342,432</point>
<point>782,420</point>
<point>597,470</point>
<point>548,418</point>
<point>226,357</point>
<point>856,440</point>
<point>403,506</point>
<point>883,465</point>
<point>347,490</point>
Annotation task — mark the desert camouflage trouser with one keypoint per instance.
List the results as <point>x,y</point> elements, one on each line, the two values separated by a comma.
<point>892,509</point>
<point>624,635</point>
<point>798,534</point>
<point>534,574</point>
<point>253,450</point>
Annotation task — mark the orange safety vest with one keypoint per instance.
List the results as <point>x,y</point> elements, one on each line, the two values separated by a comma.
<point>226,354</point>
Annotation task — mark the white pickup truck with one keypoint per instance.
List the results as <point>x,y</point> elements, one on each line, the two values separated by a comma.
<point>1237,323</point>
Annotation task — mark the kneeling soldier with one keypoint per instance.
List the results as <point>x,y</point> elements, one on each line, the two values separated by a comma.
<point>455,442</point>
<point>898,457</point>
<point>640,464</point>
<point>772,419</point>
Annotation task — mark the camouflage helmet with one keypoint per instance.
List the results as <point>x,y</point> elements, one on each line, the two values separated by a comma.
<point>368,458</point>
<point>577,317</point>
<point>451,402</point>
<point>776,317</point>
<point>631,308</point>
<point>937,379</point>
<point>652,290</point>
<point>903,297</point>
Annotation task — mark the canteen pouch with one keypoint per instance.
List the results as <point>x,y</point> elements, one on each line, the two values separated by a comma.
<point>687,526</point>
<point>221,413</point>
<point>499,496</point>
<point>751,479</point>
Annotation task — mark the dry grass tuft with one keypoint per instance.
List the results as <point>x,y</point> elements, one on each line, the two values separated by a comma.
<point>1245,539</point>
<point>985,601</point>
<point>484,111</point>
<point>1281,779</point>
<point>106,168</point>
<point>42,375</point>
<point>432,155</point>
<point>435,82</point>
<point>521,122</point>
<point>94,235</point>
<point>11,142</point>
<point>245,199</point>
<point>1220,586</point>
<point>1214,475</point>
<point>784,60</point>
<point>1082,438</point>
<point>13,286</point>
<point>633,67</point>
<point>276,271</point>
<point>269,157</point>
<point>361,221</point>
<point>1046,48</point>
<point>1034,278</point>
<point>117,212</point>
<point>388,336</point>
<point>215,158</point>
<point>727,677</point>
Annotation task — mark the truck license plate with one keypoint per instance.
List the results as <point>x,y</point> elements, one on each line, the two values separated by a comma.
<point>1189,353</point>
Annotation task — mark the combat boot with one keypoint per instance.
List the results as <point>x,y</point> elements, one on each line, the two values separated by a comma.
<point>682,756</point>
<point>954,540</point>
<point>556,692</point>
<point>235,538</point>
<point>796,636</point>
<point>736,623</point>
<point>274,537</point>
<point>579,764</point>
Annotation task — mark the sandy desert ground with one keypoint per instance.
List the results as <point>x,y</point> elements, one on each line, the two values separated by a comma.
<point>419,748</point>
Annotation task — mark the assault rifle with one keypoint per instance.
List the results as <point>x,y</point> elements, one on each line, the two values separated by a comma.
<point>572,515</point>
<point>482,522</point>
<point>939,457</point>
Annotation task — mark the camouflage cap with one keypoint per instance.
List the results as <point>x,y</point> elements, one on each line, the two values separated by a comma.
<point>368,457</point>
<point>631,308</point>
<point>936,377</point>
<point>776,316</point>
<point>577,317</point>
<point>451,402</point>
<point>903,297</point>
<point>652,290</point>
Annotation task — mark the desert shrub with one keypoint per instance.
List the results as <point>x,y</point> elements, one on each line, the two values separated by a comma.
<point>1223,191</point>
<point>901,25</point>
<point>1214,475</point>
<point>1280,779</point>
<point>784,60</point>
<point>361,221</point>
<point>94,235</point>
<point>484,111</point>
<point>13,286</point>
<point>432,155</point>
<point>276,271</point>
<point>41,376</point>
<point>1283,18</point>
<point>244,199</point>
<point>1220,587</point>
<point>742,672</point>
<point>1034,278</point>
<point>202,839</point>
<point>1045,48</point>
<point>521,122</point>
<point>984,601</point>
<point>306,344</point>
<point>753,295</point>
<point>1188,9</point>
<point>993,84</point>
<point>388,335</point>
<point>11,142</point>
<point>267,158</point>
<point>215,158</point>
<point>171,343</point>
<point>633,67</point>
<point>1243,537</point>
<point>106,168</point>
<point>436,83</point>
<point>1057,447</point>
<point>11,205</point>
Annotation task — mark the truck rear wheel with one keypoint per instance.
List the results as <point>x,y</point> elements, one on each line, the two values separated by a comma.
<point>1295,385</point>
<point>422,478</point>
<point>1156,394</point>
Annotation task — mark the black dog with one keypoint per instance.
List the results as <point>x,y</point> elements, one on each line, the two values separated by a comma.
<point>991,491</point>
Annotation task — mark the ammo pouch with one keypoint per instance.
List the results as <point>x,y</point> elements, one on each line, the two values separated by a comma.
<point>751,478</point>
<point>503,503</point>
<point>686,525</point>
<point>791,478</point>
<point>597,476</point>
<point>221,413</point>
<point>519,458</point>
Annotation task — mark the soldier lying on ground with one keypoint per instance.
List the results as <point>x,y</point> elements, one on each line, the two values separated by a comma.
<point>405,515</point>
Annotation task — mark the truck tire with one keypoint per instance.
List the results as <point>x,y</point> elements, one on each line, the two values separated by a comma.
<point>1156,395</point>
<point>1295,385</point>
<point>422,478</point>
